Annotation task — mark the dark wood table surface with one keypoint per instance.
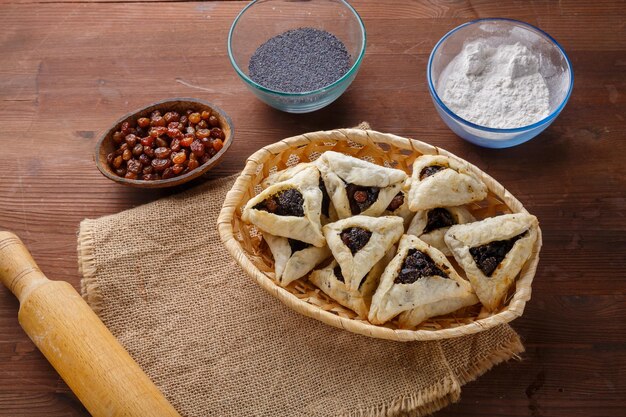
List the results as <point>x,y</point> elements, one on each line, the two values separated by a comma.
<point>69,68</point>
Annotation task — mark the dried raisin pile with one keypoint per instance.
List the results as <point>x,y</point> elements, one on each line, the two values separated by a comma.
<point>166,145</point>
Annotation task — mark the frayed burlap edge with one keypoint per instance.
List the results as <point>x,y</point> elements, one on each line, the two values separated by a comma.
<point>511,349</point>
<point>418,404</point>
<point>89,287</point>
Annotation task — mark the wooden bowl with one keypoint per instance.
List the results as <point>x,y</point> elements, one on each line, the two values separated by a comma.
<point>105,143</point>
<point>244,241</point>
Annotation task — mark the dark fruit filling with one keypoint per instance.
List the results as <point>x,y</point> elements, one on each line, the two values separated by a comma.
<point>489,256</point>
<point>430,170</point>
<point>355,238</point>
<point>361,198</point>
<point>397,201</point>
<point>438,218</point>
<point>297,245</point>
<point>417,265</point>
<point>338,274</point>
<point>284,203</point>
<point>325,198</point>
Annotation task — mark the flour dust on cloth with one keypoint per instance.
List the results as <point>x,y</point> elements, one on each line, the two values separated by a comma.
<point>217,345</point>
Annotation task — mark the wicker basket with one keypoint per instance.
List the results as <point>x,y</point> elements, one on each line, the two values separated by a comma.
<point>244,241</point>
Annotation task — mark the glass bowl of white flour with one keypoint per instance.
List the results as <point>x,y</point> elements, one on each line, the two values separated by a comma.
<point>499,82</point>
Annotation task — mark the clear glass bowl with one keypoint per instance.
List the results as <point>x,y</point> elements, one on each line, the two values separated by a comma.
<point>555,67</point>
<point>264,19</point>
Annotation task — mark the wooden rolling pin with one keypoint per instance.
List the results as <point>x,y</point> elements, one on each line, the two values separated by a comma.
<point>87,356</point>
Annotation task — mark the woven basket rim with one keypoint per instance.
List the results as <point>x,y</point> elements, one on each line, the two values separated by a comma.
<point>514,309</point>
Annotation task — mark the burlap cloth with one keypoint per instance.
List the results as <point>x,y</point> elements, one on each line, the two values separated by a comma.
<point>218,345</point>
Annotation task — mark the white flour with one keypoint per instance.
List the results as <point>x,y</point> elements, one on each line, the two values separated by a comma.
<point>495,87</point>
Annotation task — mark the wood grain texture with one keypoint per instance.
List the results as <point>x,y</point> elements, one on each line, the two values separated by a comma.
<point>70,68</point>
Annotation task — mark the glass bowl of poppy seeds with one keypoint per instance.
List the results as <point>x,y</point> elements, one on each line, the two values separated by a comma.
<point>297,56</point>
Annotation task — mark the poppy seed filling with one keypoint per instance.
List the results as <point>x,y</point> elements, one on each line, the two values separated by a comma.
<point>430,170</point>
<point>438,218</point>
<point>361,198</point>
<point>355,238</point>
<point>289,202</point>
<point>490,255</point>
<point>417,265</point>
<point>297,245</point>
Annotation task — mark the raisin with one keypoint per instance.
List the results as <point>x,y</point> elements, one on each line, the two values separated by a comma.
<point>174,125</point>
<point>175,145</point>
<point>217,144</point>
<point>155,132</point>
<point>160,142</point>
<point>138,149</point>
<point>144,159</point>
<point>127,155</point>
<point>360,196</point>
<point>197,148</point>
<point>125,128</point>
<point>204,158</point>
<point>203,133</point>
<point>192,164</point>
<point>179,158</point>
<point>167,173</point>
<point>147,141</point>
<point>217,133</point>
<point>174,133</point>
<point>183,120</point>
<point>213,121</point>
<point>120,171</point>
<point>147,169</point>
<point>194,118</point>
<point>187,140</point>
<point>143,122</point>
<point>133,166</point>
<point>110,158</point>
<point>118,137</point>
<point>161,164</point>
<point>177,168</point>
<point>205,115</point>
<point>202,124</point>
<point>148,151</point>
<point>162,152</point>
<point>157,121</point>
<point>131,140</point>
<point>171,116</point>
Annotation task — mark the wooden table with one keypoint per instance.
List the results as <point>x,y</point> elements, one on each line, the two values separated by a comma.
<point>69,68</point>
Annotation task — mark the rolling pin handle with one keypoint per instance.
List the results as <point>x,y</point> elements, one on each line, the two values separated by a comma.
<point>18,270</point>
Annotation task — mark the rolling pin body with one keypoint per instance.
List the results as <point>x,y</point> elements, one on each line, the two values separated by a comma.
<point>90,360</point>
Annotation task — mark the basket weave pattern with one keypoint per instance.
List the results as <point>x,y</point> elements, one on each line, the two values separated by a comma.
<point>244,241</point>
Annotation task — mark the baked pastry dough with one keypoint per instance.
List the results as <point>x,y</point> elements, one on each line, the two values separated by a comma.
<point>358,187</point>
<point>431,225</point>
<point>294,259</point>
<point>329,214</point>
<point>359,242</point>
<point>331,282</point>
<point>290,208</point>
<point>399,205</point>
<point>420,283</point>
<point>492,252</point>
<point>439,181</point>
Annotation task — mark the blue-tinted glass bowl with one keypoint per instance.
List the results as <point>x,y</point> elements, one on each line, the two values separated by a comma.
<point>264,19</point>
<point>555,67</point>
